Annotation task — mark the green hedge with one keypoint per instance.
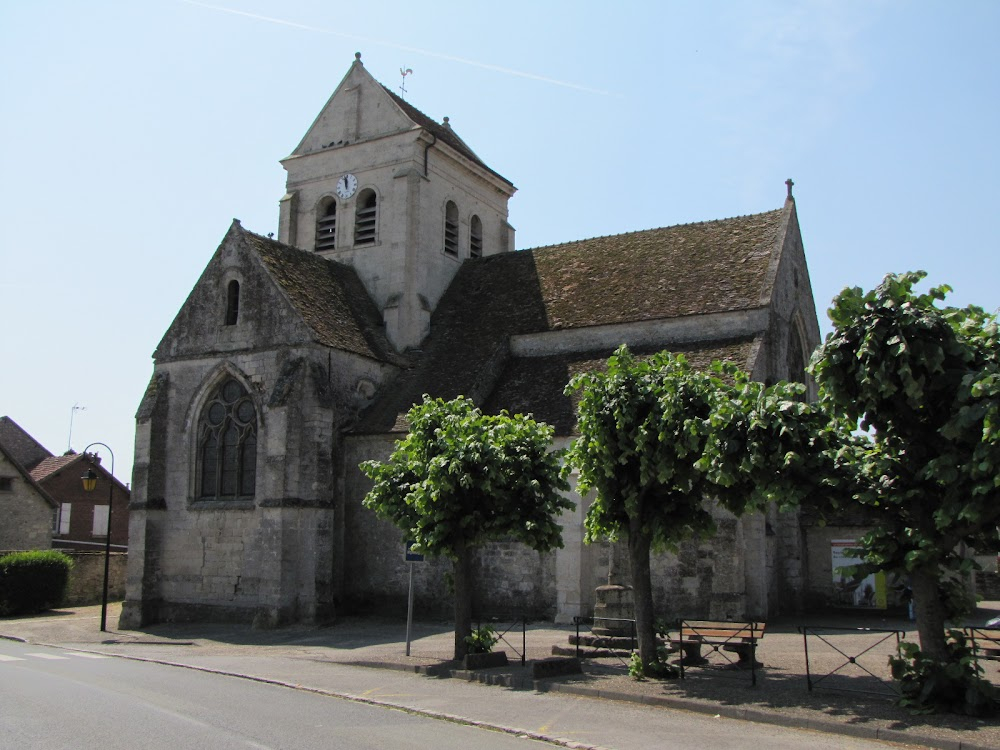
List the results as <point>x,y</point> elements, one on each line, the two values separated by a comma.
<point>32,582</point>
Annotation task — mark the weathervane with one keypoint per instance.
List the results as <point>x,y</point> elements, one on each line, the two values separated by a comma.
<point>402,87</point>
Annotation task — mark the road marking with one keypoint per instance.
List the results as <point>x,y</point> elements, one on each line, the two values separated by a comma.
<point>3,657</point>
<point>52,657</point>
<point>87,656</point>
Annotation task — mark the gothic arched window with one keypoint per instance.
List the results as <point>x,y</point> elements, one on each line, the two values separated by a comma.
<point>326,227</point>
<point>451,228</point>
<point>365,218</point>
<point>227,444</point>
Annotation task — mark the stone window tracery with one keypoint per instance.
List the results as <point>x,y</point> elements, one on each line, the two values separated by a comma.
<point>227,444</point>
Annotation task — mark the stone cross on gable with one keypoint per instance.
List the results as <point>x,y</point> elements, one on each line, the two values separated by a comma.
<point>789,183</point>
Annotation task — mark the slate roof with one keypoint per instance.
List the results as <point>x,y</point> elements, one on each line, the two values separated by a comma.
<point>673,272</point>
<point>442,133</point>
<point>329,296</point>
<point>20,445</point>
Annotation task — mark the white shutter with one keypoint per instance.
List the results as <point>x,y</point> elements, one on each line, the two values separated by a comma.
<point>100,520</point>
<point>64,513</point>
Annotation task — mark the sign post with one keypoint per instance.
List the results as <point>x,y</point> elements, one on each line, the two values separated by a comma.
<point>410,557</point>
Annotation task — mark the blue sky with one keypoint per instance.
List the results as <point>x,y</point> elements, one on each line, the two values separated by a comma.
<point>132,133</point>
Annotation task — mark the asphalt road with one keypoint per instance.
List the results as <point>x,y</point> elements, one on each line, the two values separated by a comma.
<point>56,698</point>
<point>61,699</point>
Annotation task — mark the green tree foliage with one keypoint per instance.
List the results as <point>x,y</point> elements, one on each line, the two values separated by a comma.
<point>657,438</point>
<point>924,381</point>
<point>461,478</point>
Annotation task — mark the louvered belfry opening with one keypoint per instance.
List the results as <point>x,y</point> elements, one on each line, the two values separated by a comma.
<point>326,228</point>
<point>451,228</point>
<point>365,218</point>
<point>475,237</point>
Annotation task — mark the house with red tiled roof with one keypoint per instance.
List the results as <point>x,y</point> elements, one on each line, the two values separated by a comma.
<point>394,274</point>
<point>84,515</point>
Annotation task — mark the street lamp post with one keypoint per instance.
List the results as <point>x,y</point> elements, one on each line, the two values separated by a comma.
<point>89,484</point>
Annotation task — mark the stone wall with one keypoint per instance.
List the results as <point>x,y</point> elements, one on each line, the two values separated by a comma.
<point>86,580</point>
<point>27,515</point>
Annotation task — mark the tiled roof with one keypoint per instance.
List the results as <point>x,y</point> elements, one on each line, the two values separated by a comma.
<point>442,133</point>
<point>681,271</point>
<point>20,445</point>
<point>53,464</point>
<point>329,296</point>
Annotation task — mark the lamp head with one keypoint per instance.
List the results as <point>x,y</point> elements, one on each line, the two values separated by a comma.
<point>89,480</point>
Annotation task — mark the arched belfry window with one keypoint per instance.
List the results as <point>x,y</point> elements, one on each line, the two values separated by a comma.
<point>227,444</point>
<point>451,228</point>
<point>326,227</point>
<point>232,302</point>
<point>365,218</point>
<point>475,237</point>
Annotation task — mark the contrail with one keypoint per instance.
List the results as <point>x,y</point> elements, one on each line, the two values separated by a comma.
<point>403,47</point>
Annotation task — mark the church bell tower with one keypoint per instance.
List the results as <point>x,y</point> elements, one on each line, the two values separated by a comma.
<point>379,185</point>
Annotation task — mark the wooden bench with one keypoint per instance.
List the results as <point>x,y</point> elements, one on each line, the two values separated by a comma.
<point>985,641</point>
<point>740,638</point>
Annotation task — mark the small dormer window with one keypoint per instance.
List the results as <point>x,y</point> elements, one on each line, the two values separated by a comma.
<point>326,227</point>
<point>365,218</point>
<point>475,237</point>
<point>232,302</point>
<point>451,228</point>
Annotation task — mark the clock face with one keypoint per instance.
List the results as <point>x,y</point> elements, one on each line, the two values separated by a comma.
<point>346,185</point>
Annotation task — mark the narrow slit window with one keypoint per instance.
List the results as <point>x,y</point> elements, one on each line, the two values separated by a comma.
<point>326,228</point>
<point>232,303</point>
<point>475,237</point>
<point>365,218</point>
<point>451,228</point>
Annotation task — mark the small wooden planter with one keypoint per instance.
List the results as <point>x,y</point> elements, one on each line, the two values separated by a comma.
<point>485,661</point>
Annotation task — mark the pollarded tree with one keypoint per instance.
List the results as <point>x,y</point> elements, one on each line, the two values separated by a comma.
<point>924,380</point>
<point>658,438</point>
<point>460,479</point>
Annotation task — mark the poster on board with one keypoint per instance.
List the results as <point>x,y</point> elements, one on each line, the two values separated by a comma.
<point>850,591</point>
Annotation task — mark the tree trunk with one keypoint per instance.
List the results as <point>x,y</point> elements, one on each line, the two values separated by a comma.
<point>463,602</point>
<point>642,591</point>
<point>930,613</point>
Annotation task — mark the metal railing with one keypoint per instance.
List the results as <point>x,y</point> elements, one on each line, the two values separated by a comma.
<point>850,655</point>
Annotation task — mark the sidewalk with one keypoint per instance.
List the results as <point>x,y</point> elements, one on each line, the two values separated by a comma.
<point>309,657</point>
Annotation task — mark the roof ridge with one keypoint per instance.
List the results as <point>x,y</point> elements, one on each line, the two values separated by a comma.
<point>651,229</point>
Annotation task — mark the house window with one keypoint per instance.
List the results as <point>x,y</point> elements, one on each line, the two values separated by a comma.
<point>232,302</point>
<point>326,228</point>
<point>65,510</point>
<point>6,484</point>
<point>227,444</point>
<point>101,513</point>
<point>451,228</point>
<point>365,218</point>
<point>475,237</point>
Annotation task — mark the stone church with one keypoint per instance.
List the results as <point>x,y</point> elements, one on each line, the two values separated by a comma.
<point>394,274</point>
